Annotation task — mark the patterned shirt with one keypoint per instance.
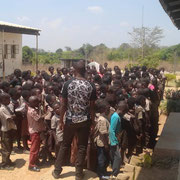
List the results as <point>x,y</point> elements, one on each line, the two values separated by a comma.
<point>78,93</point>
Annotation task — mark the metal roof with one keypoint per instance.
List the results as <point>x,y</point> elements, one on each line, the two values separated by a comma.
<point>172,8</point>
<point>15,28</point>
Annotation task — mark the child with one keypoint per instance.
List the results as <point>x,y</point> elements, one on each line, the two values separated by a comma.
<point>55,121</point>
<point>14,103</point>
<point>22,110</point>
<point>7,127</point>
<point>36,125</point>
<point>101,138</point>
<point>114,131</point>
<point>47,136</point>
<point>141,123</point>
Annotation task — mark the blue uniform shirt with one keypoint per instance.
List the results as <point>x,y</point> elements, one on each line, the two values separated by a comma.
<point>115,128</point>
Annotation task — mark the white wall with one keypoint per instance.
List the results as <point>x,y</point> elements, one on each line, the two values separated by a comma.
<point>11,63</point>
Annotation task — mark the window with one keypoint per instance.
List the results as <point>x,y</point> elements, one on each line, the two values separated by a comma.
<point>1,50</point>
<point>14,50</point>
<point>5,51</point>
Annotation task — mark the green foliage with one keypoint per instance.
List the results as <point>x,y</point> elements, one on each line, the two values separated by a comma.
<point>173,101</point>
<point>147,160</point>
<point>170,77</point>
<point>177,83</point>
<point>163,107</point>
<point>149,61</point>
<point>59,51</point>
<point>27,54</point>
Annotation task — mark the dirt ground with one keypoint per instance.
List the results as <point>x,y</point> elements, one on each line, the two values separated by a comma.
<point>21,171</point>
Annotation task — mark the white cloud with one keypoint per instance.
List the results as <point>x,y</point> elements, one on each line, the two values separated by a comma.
<point>95,9</point>
<point>124,24</point>
<point>23,19</point>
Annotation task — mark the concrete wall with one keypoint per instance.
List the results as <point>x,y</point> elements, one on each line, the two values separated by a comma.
<point>10,62</point>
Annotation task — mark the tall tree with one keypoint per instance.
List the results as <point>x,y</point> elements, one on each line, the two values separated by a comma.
<point>146,38</point>
<point>68,48</point>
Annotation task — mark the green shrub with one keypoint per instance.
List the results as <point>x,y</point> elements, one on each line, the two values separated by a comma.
<point>170,77</point>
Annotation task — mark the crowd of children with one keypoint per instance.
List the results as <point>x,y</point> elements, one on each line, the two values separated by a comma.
<point>126,119</point>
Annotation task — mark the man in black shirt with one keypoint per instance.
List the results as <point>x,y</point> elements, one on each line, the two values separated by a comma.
<point>78,98</point>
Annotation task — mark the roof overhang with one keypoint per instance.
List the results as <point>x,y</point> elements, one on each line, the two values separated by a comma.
<point>172,8</point>
<point>15,28</point>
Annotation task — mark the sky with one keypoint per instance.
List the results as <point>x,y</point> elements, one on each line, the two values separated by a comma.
<point>76,22</point>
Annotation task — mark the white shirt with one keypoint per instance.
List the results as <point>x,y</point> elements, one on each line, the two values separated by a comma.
<point>6,119</point>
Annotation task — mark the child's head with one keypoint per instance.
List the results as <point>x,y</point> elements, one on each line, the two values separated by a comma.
<point>39,86</point>
<point>122,108</point>
<point>131,102</point>
<point>4,99</point>
<point>102,106</point>
<point>56,107</point>
<point>64,71</point>
<point>26,75</point>
<point>58,70</point>
<point>18,88</point>
<point>97,79</point>
<point>34,101</point>
<point>37,92</point>
<point>141,100</point>
<point>15,95</point>
<point>5,86</point>
<point>50,89</point>
<point>17,73</point>
<point>50,99</point>
<point>51,69</point>
<point>26,94</point>
<point>38,78</point>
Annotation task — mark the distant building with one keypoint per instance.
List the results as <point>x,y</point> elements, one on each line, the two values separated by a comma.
<point>67,63</point>
<point>11,46</point>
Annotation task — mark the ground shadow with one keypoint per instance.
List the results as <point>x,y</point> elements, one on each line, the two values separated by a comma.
<point>68,174</point>
<point>19,163</point>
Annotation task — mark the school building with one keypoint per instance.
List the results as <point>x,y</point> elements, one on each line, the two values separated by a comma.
<point>11,46</point>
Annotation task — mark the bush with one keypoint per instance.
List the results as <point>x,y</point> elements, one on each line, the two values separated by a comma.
<point>170,77</point>
<point>150,61</point>
<point>173,101</point>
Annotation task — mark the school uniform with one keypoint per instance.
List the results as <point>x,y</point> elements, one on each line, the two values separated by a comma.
<point>129,135</point>
<point>7,127</point>
<point>18,120</point>
<point>55,121</point>
<point>141,123</point>
<point>101,139</point>
<point>36,125</point>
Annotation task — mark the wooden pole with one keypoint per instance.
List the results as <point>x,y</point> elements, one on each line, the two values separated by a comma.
<point>3,62</point>
<point>36,52</point>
